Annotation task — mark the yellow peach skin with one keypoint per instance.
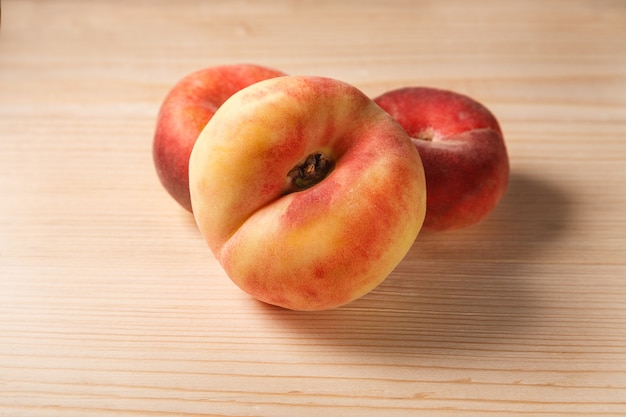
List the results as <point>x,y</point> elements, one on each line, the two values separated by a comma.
<point>312,248</point>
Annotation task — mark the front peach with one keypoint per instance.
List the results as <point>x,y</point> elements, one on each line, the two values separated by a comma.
<point>312,248</point>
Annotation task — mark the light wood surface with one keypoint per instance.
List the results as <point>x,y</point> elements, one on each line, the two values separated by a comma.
<point>111,304</point>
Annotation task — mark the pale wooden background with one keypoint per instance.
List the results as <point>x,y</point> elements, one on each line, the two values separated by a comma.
<point>111,304</point>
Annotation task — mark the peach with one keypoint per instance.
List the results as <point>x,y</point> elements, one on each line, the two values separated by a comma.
<point>462,149</point>
<point>307,193</point>
<point>187,108</point>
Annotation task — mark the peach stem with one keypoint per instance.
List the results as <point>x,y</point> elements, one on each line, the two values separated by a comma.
<point>305,175</point>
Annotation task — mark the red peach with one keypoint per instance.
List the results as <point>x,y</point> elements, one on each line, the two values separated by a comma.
<point>187,108</point>
<point>462,150</point>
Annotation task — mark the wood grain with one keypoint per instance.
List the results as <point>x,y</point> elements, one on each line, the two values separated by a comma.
<point>111,304</point>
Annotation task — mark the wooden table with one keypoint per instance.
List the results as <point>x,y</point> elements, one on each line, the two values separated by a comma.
<point>112,305</point>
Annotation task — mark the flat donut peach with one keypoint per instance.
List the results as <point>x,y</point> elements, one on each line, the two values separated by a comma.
<point>462,149</point>
<point>306,192</point>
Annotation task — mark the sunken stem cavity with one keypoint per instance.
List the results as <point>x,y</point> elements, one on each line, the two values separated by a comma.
<point>310,172</point>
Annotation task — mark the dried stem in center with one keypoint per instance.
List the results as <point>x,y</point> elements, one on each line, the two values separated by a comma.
<point>313,170</point>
